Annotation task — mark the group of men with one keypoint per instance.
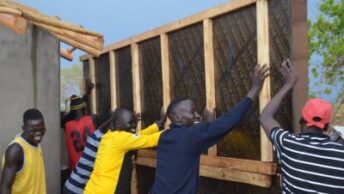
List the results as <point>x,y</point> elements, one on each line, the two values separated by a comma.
<point>310,162</point>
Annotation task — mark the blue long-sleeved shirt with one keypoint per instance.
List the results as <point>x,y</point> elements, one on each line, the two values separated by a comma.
<point>179,149</point>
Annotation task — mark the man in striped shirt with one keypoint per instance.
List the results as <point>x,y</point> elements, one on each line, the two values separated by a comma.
<point>310,161</point>
<point>76,183</point>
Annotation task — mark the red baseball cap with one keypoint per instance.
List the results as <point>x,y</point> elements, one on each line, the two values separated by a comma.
<point>317,112</point>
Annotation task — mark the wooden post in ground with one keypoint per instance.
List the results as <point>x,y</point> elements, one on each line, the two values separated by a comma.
<point>165,69</point>
<point>94,91</point>
<point>113,82</point>
<point>264,58</point>
<point>209,63</point>
<point>299,56</point>
<point>136,72</point>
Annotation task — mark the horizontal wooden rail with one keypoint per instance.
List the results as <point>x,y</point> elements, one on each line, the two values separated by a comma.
<point>227,174</point>
<point>199,17</point>
<point>254,166</point>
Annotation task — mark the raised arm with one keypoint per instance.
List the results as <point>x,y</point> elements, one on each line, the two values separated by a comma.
<point>137,141</point>
<point>13,161</point>
<point>267,117</point>
<point>213,131</point>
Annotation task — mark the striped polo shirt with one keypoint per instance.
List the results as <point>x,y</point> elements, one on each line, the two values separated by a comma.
<point>310,163</point>
<point>80,175</point>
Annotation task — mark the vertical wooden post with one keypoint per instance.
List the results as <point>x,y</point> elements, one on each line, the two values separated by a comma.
<point>165,69</point>
<point>264,58</point>
<point>299,56</point>
<point>209,63</point>
<point>113,83</point>
<point>137,101</point>
<point>94,91</point>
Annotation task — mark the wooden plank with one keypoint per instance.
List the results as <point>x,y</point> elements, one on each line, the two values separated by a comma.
<point>89,41</point>
<point>66,54</point>
<point>16,23</point>
<point>264,58</point>
<point>267,168</point>
<point>94,91</point>
<point>113,82</point>
<point>165,69</point>
<point>299,57</point>
<point>78,45</point>
<point>226,174</point>
<point>209,63</point>
<point>11,11</point>
<point>136,81</point>
<point>199,17</point>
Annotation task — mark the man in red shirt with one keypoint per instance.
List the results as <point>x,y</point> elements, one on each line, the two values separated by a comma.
<point>77,130</point>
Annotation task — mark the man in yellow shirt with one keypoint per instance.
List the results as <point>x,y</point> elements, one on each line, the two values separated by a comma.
<point>23,165</point>
<point>112,171</point>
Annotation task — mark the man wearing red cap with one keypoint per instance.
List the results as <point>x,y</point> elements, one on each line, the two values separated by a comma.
<point>310,161</point>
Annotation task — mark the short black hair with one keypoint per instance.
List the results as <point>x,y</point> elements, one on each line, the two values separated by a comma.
<point>173,105</point>
<point>117,114</point>
<point>32,114</point>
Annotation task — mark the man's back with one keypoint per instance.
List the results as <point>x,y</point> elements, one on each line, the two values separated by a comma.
<point>176,150</point>
<point>310,162</point>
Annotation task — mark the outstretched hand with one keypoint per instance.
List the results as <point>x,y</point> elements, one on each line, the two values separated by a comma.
<point>208,115</point>
<point>259,74</point>
<point>289,74</point>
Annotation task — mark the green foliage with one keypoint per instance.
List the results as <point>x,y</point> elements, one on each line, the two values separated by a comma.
<point>71,80</point>
<point>326,38</point>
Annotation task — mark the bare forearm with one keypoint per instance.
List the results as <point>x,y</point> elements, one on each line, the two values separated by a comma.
<point>267,117</point>
<point>253,93</point>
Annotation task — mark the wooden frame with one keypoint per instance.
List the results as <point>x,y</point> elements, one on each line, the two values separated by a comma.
<point>252,172</point>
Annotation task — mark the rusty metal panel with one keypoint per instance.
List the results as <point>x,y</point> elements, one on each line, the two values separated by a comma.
<point>151,88</point>
<point>187,64</point>
<point>124,78</point>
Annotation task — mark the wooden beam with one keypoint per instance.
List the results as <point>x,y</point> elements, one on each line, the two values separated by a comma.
<point>34,15</point>
<point>78,45</point>
<point>113,83</point>
<point>299,57</point>
<point>165,70</point>
<point>38,18</point>
<point>66,54</point>
<point>92,76</point>
<point>209,63</point>
<point>11,11</point>
<point>199,17</point>
<point>16,23</point>
<point>89,41</point>
<point>136,81</point>
<point>226,174</point>
<point>267,168</point>
<point>264,58</point>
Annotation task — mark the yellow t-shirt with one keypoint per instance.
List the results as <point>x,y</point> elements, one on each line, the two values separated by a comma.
<point>31,178</point>
<point>111,151</point>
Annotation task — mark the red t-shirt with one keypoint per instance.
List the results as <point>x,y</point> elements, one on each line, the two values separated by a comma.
<point>76,135</point>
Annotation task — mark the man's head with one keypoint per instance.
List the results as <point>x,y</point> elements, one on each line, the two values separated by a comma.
<point>33,126</point>
<point>77,104</point>
<point>124,119</point>
<point>316,115</point>
<point>183,112</point>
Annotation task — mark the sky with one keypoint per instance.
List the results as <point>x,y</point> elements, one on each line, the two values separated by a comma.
<point>120,19</point>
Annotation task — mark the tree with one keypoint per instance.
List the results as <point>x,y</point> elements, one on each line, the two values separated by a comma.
<point>71,80</point>
<point>326,39</point>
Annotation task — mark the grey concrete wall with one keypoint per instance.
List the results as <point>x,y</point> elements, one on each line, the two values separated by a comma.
<point>30,77</point>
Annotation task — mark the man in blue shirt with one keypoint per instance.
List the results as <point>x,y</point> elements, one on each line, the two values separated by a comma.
<point>179,148</point>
